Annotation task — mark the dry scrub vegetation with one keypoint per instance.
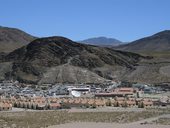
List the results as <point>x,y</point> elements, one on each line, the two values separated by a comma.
<point>162,121</point>
<point>42,119</point>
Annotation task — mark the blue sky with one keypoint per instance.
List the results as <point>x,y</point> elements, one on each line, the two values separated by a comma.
<point>126,20</point>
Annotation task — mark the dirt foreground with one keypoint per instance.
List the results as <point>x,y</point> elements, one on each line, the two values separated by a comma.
<point>107,125</point>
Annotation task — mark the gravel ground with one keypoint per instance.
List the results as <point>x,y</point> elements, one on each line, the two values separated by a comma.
<point>106,125</point>
<point>137,124</point>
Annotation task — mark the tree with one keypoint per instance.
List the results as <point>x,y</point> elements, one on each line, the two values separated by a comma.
<point>108,103</point>
<point>125,104</point>
<point>141,105</point>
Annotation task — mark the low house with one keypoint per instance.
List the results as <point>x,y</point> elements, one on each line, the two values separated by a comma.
<point>145,103</point>
<point>84,102</point>
<point>100,103</point>
<point>119,92</point>
<point>76,103</point>
<point>5,106</point>
<point>91,102</point>
<point>119,103</point>
<point>41,106</point>
<point>54,106</point>
<point>131,103</point>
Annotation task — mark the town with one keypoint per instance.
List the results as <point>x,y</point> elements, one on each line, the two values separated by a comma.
<point>66,96</point>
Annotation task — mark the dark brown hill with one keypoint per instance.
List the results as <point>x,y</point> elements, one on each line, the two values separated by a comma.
<point>155,43</point>
<point>12,38</point>
<point>58,59</point>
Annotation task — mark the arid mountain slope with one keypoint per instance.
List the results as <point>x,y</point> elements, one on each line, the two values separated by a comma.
<point>11,39</point>
<point>155,43</point>
<point>62,60</point>
<point>102,41</point>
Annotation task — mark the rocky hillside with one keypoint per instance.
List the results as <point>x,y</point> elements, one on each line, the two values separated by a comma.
<point>102,41</point>
<point>58,59</point>
<point>11,39</point>
<point>155,43</point>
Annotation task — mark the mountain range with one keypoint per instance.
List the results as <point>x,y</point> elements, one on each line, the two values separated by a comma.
<point>59,59</point>
<point>12,38</point>
<point>102,41</point>
<point>155,43</point>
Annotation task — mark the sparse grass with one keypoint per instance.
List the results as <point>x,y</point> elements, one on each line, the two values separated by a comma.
<point>47,118</point>
<point>164,54</point>
<point>32,119</point>
<point>162,121</point>
<point>161,110</point>
<point>118,117</point>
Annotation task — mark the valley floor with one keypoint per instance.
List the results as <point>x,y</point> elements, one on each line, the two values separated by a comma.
<point>146,123</point>
<point>87,118</point>
<point>106,125</point>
